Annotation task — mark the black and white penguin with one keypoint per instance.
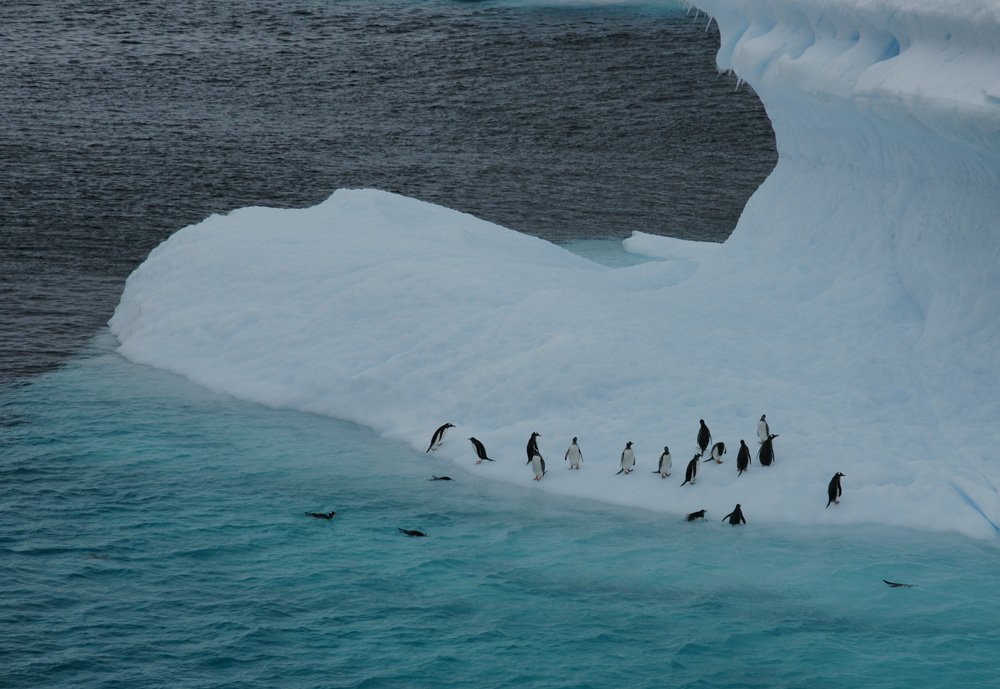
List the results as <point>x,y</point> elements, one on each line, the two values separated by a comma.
<point>700,514</point>
<point>718,450</point>
<point>742,458</point>
<point>320,515</point>
<point>765,455</point>
<point>704,436</point>
<point>438,437</point>
<point>666,461</point>
<point>413,532</point>
<point>762,428</point>
<point>480,451</point>
<point>535,458</point>
<point>692,470</point>
<point>532,447</point>
<point>628,459</point>
<point>574,455</point>
<point>834,491</point>
<point>736,516</point>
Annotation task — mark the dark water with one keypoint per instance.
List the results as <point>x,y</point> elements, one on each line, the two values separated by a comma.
<point>123,122</point>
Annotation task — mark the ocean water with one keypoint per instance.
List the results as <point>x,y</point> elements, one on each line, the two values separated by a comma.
<point>124,122</point>
<point>154,535</point>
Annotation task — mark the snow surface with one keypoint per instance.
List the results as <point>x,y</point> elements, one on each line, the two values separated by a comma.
<point>857,303</point>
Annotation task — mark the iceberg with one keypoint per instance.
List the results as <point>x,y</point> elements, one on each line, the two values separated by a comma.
<point>856,303</point>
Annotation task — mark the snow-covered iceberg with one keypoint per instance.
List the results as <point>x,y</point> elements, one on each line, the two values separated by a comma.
<point>857,303</point>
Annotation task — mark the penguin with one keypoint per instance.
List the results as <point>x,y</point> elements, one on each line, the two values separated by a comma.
<point>480,451</point>
<point>663,469</point>
<point>408,532</point>
<point>320,515</point>
<point>538,466</point>
<point>535,457</point>
<point>834,490</point>
<point>736,516</point>
<point>532,447</point>
<point>765,455</point>
<point>762,428</point>
<point>441,478</point>
<point>742,458</point>
<point>718,450</point>
<point>628,459</point>
<point>574,455</point>
<point>700,514</point>
<point>704,436</point>
<point>692,470</point>
<point>438,437</point>
<point>894,585</point>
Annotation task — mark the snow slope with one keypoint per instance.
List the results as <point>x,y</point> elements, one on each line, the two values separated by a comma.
<point>856,304</point>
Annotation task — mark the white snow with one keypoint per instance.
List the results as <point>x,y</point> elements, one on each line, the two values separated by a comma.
<point>857,303</point>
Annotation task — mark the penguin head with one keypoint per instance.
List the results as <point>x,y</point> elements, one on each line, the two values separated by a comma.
<point>449,425</point>
<point>666,449</point>
<point>574,438</point>
<point>628,444</point>
<point>763,417</point>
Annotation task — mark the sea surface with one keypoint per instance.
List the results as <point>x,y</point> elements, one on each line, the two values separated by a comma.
<point>123,122</point>
<point>154,534</point>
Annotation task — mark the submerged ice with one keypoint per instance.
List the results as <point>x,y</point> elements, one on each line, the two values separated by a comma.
<point>857,303</point>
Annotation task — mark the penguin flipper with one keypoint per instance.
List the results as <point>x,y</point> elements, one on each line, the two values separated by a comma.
<point>620,470</point>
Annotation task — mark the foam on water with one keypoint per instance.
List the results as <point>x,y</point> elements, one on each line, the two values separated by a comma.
<point>155,536</point>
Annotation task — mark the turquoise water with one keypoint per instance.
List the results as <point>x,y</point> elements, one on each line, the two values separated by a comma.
<point>154,536</point>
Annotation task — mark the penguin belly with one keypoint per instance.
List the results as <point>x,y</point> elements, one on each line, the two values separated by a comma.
<point>536,465</point>
<point>628,460</point>
<point>574,456</point>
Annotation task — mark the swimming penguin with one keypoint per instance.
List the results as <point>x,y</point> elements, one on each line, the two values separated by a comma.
<point>700,514</point>
<point>692,470</point>
<point>765,455</point>
<point>320,515</point>
<point>718,450</point>
<point>704,436</point>
<point>408,532</point>
<point>438,437</point>
<point>896,586</point>
<point>762,428</point>
<point>480,451</point>
<point>742,458</point>
<point>441,478</point>
<point>736,516</point>
<point>834,490</point>
<point>574,455</point>
<point>628,459</point>
<point>663,469</point>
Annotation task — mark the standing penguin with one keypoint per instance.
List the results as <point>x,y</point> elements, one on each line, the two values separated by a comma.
<point>574,455</point>
<point>663,468</point>
<point>834,490</point>
<point>765,455</point>
<point>535,458</point>
<point>480,451</point>
<point>762,428</point>
<point>692,470</point>
<point>532,447</point>
<point>742,458</point>
<point>438,437</point>
<point>704,436</point>
<point>736,516</point>
<point>718,450</point>
<point>628,459</point>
